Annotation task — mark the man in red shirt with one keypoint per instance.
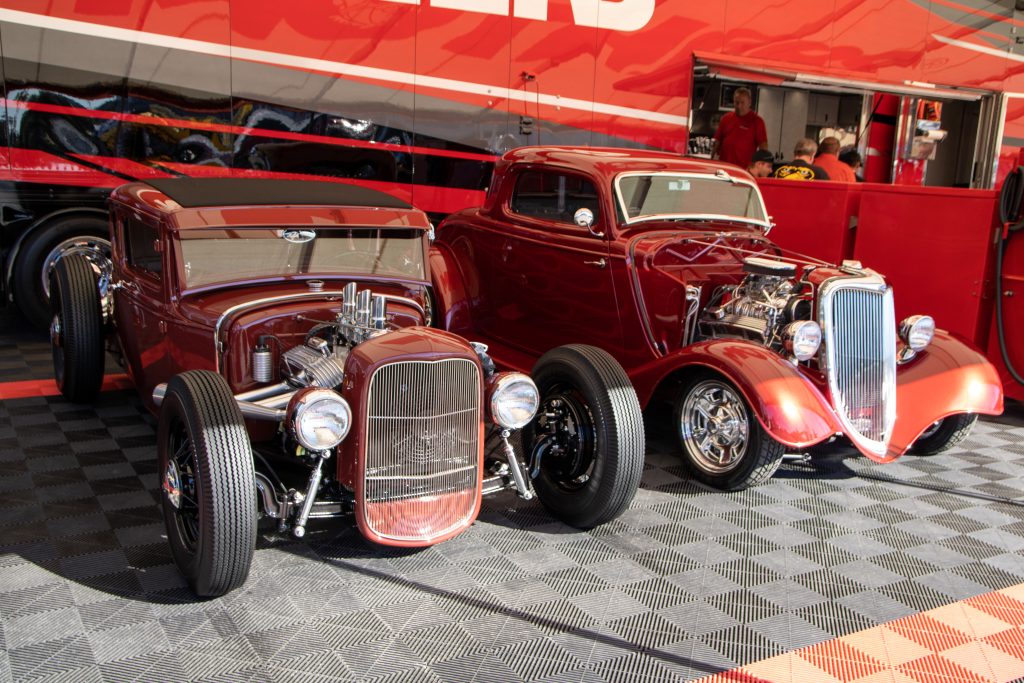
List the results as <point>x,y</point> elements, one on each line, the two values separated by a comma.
<point>828,159</point>
<point>741,132</point>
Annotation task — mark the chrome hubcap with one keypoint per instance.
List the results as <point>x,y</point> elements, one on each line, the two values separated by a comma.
<point>713,426</point>
<point>96,249</point>
<point>172,484</point>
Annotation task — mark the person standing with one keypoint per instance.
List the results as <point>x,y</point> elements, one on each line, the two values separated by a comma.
<point>828,159</point>
<point>741,132</point>
<point>801,167</point>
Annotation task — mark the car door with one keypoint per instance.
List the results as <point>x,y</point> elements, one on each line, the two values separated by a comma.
<point>553,279</point>
<point>140,302</point>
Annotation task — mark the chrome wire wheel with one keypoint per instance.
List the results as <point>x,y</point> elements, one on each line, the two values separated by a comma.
<point>180,485</point>
<point>714,427</point>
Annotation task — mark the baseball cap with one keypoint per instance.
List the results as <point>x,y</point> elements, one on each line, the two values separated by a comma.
<point>762,155</point>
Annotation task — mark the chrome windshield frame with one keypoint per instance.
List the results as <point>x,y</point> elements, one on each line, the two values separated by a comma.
<point>766,224</point>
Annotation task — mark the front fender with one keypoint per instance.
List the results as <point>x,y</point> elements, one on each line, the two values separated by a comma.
<point>947,378</point>
<point>786,403</point>
<point>450,293</point>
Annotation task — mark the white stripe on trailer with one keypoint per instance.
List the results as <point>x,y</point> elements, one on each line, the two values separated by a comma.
<point>326,66</point>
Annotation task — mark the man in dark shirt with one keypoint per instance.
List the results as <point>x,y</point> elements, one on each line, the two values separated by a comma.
<point>801,168</point>
<point>740,133</point>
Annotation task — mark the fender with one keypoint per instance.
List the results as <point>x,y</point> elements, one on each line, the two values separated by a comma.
<point>450,293</point>
<point>786,403</point>
<point>947,378</point>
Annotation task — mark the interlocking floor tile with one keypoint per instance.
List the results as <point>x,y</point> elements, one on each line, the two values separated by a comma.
<point>687,583</point>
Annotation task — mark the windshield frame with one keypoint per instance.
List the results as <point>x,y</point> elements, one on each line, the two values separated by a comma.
<point>722,178</point>
<point>286,278</point>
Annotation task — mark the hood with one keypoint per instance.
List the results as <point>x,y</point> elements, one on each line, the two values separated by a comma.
<point>666,264</point>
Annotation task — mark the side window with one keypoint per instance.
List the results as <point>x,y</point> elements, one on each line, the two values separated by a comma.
<point>140,242</point>
<point>553,196</point>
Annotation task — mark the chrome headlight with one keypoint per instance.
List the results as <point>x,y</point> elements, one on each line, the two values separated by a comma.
<point>319,418</point>
<point>802,339</point>
<point>514,400</point>
<point>917,331</point>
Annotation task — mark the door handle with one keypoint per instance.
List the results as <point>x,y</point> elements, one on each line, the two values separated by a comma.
<point>600,263</point>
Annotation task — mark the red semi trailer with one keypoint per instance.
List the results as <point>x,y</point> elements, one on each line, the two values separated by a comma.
<point>418,98</point>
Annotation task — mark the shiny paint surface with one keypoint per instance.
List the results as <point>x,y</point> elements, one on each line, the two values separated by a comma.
<point>420,344</point>
<point>651,264</point>
<point>947,378</point>
<point>418,99</point>
<point>165,330</point>
<point>784,399</point>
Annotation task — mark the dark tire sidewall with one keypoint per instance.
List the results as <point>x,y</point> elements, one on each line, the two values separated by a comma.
<point>588,505</point>
<point>220,471</point>
<point>79,369</point>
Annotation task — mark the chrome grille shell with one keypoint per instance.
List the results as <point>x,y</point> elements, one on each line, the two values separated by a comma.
<point>423,449</point>
<point>858,322</point>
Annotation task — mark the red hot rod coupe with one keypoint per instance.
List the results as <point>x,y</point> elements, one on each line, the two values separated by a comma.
<point>664,263</point>
<point>273,325</point>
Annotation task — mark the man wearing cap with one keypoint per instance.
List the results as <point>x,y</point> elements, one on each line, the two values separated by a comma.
<point>761,164</point>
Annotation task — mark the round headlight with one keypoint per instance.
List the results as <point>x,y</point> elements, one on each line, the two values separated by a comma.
<point>802,339</point>
<point>514,400</point>
<point>320,418</point>
<point>917,331</point>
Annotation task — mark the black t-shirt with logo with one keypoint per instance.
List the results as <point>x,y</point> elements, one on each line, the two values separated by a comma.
<point>798,169</point>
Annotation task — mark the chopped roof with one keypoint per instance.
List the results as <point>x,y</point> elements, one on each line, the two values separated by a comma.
<point>198,192</point>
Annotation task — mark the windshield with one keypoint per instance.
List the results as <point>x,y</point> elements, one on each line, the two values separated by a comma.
<point>646,196</point>
<point>216,256</point>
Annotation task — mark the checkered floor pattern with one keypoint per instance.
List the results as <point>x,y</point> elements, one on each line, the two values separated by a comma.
<point>688,583</point>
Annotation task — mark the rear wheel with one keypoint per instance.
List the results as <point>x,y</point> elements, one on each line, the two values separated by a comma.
<point>208,483</point>
<point>83,235</point>
<point>587,441</point>
<point>723,444</point>
<point>76,329</point>
<point>944,434</point>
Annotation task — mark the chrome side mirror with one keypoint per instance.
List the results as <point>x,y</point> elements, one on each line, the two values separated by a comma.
<point>585,219</point>
<point>771,225</point>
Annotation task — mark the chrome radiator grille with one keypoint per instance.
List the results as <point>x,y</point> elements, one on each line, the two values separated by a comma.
<point>860,338</point>
<point>422,466</point>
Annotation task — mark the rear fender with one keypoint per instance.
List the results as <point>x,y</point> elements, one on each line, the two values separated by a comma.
<point>451,297</point>
<point>947,378</point>
<point>786,403</point>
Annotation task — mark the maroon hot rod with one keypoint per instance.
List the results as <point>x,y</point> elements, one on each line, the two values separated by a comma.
<point>664,262</point>
<point>264,320</point>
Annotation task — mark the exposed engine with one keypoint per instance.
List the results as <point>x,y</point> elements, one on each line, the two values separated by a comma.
<point>768,299</point>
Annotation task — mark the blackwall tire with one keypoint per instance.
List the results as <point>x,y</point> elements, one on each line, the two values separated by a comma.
<point>945,434</point>
<point>40,250</point>
<point>592,453</point>
<point>723,444</point>
<point>76,330</point>
<point>208,483</point>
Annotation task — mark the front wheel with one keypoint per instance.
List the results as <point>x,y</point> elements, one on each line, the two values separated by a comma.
<point>76,329</point>
<point>723,444</point>
<point>587,442</point>
<point>944,434</point>
<point>208,482</point>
